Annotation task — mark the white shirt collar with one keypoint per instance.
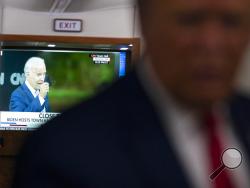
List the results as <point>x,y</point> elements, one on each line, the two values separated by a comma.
<point>32,90</point>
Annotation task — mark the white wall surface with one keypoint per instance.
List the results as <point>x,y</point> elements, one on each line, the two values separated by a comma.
<point>113,22</point>
<point>1,16</point>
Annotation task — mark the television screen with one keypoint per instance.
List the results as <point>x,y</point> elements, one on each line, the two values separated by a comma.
<point>71,76</point>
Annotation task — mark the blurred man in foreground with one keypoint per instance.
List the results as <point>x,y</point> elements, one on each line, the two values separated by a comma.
<point>32,95</point>
<point>178,112</point>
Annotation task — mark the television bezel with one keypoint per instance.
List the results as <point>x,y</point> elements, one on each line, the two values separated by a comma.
<point>11,141</point>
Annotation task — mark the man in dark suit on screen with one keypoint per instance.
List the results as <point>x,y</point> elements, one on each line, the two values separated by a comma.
<point>167,123</point>
<point>32,96</point>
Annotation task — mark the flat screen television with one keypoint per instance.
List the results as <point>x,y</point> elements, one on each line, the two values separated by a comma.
<point>74,75</point>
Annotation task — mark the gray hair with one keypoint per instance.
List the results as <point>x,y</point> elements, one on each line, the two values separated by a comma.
<point>33,62</point>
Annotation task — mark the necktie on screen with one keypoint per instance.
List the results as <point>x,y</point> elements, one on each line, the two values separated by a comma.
<point>215,151</point>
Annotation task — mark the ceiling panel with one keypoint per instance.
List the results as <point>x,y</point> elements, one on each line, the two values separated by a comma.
<point>75,5</point>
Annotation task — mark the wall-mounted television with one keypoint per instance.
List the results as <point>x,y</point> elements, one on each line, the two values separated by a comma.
<point>74,73</point>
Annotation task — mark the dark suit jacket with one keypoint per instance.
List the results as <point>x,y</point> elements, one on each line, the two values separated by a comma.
<point>22,100</point>
<point>115,140</point>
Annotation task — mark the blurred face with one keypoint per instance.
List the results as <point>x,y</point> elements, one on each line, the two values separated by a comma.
<point>196,45</point>
<point>36,76</point>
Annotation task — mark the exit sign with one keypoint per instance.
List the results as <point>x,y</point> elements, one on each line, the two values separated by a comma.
<point>67,25</point>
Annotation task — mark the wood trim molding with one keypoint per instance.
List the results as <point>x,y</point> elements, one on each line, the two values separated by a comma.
<point>79,40</point>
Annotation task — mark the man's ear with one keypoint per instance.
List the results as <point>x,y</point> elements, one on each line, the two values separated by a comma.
<point>27,74</point>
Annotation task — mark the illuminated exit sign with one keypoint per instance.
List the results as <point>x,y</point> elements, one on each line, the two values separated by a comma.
<point>67,25</point>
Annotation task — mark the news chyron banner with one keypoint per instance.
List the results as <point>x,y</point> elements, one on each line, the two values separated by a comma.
<point>24,121</point>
